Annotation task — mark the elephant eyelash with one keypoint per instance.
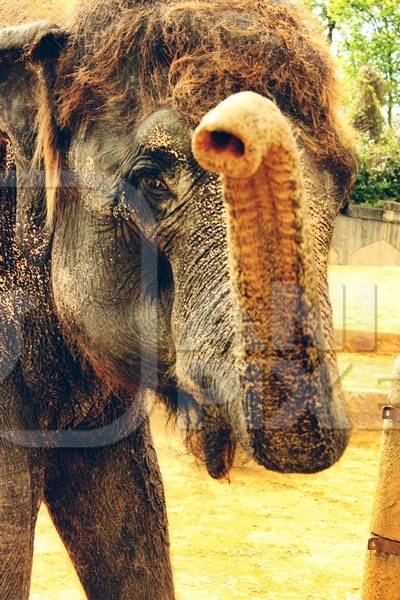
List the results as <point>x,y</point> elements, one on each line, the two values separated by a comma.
<point>122,233</point>
<point>118,219</point>
<point>126,231</point>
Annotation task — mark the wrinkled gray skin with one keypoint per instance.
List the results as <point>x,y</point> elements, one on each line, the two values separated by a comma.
<point>140,299</point>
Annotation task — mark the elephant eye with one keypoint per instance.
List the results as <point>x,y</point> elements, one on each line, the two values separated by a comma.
<point>155,185</point>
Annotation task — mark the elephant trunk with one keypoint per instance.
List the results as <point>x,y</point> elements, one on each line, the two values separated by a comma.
<point>293,418</point>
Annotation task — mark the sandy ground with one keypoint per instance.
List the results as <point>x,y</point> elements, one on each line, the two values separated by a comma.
<point>263,536</point>
<point>366,371</point>
<point>365,301</point>
<point>266,536</point>
<point>365,298</point>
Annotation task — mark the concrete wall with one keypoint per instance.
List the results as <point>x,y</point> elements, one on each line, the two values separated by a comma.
<point>367,236</point>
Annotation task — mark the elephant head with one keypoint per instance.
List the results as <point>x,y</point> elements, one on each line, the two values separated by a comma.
<point>187,258</point>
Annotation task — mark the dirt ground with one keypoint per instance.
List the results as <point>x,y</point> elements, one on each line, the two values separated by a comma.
<point>266,536</point>
<point>263,536</point>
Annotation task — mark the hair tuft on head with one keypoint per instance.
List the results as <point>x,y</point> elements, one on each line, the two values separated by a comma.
<point>128,57</point>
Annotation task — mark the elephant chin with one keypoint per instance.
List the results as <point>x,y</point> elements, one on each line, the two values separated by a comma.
<point>208,432</point>
<point>215,449</point>
<point>213,441</point>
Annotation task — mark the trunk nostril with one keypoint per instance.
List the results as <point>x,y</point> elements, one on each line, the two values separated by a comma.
<point>233,138</point>
<point>225,143</point>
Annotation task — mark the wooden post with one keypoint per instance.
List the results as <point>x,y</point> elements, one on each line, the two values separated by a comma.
<point>382,567</point>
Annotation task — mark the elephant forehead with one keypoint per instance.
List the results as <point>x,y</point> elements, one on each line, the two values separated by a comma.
<point>165,130</point>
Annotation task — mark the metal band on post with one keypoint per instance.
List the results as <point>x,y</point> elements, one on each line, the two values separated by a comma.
<point>391,413</point>
<point>380,544</point>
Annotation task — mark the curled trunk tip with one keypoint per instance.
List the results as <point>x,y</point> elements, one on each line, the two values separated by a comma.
<point>234,138</point>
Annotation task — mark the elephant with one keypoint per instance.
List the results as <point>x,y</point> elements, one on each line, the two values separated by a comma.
<point>170,176</point>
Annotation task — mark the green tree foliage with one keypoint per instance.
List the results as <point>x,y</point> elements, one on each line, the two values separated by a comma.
<point>323,11</point>
<point>367,114</point>
<point>379,176</point>
<point>368,32</point>
<point>366,36</point>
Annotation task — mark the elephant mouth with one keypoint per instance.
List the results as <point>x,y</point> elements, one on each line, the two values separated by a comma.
<point>207,430</point>
<point>215,448</point>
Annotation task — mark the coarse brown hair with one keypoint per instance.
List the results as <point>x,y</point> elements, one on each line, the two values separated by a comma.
<point>136,55</point>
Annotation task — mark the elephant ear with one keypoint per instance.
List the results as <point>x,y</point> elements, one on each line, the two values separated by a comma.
<point>28,60</point>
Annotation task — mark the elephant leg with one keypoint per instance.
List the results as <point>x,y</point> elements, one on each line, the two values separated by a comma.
<point>108,506</point>
<point>21,486</point>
